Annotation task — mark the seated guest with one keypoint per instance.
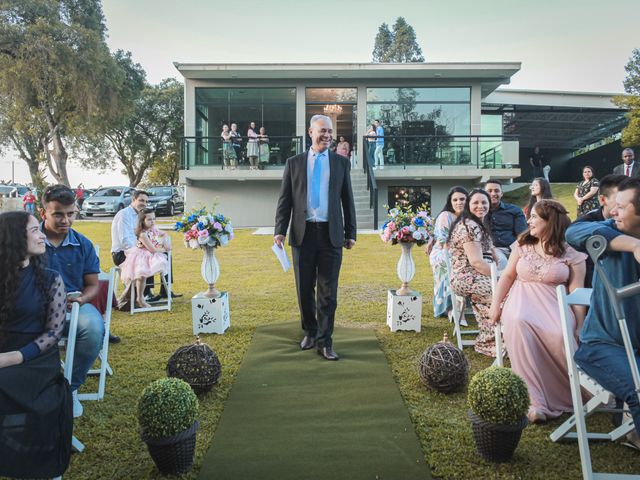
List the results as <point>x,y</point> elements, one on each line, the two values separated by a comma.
<point>472,253</point>
<point>540,189</point>
<point>35,401</point>
<point>607,200</point>
<point>540,261</point>
<point>437,251</point>
<point>506,221</point>
<point>72,255</point>
<point>601,353</point>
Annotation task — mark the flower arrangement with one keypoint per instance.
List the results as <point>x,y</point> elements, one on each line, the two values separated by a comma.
<point>202,229</point>
<point>406,226</point>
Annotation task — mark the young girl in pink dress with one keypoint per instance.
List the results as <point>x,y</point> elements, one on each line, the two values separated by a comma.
<point>148,257</point>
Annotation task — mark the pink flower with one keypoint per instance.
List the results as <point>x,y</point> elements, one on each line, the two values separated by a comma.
<point>203,233</point>
<point>406,231</point>
<point>391,226</point>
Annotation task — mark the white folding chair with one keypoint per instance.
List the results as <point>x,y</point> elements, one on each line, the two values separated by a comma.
<point>596,245</point>
<point>103,357</point>
<point>500,349</point>
<point>68,359</point>
<point>457,309</point>
<point>167,282</point>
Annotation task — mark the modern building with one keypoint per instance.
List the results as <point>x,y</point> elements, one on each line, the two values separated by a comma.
<point>444,124</point>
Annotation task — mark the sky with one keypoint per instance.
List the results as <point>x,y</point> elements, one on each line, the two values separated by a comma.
<point>572,45</point>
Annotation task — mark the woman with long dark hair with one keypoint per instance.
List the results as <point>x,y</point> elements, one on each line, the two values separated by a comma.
<point>472,253</point>
<point>540,261</point>
<point>35,399</point>
<point>586,193</point>
<point>540,189</point>
<point>437,251</point>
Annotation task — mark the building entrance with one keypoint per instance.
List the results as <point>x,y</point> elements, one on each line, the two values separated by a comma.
<point>339,104</point>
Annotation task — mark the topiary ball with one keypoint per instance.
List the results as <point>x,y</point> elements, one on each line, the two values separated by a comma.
<point>498,395</point>
<point>166,407</point>
<point>196,364</point>
<point>444,367</point>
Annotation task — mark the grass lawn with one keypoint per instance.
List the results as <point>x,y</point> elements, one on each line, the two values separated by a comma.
<point>261,294</point>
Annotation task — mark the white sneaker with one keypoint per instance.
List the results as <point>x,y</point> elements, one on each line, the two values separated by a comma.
<point>375,168</point>
<point>463,322</point>
<point>381,167</point>
<point>77,406</point>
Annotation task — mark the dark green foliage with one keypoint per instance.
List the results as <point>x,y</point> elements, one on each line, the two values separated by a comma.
<point>631,133</point>
<point>398,45</point>
<point>632,82</point>
<point>166,407</point>
<point>498,395</point>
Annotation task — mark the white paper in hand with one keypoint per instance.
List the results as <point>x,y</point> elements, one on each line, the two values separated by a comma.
<point>281,255</point>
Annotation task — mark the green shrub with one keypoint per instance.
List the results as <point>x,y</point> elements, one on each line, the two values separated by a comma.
<point>498,395</point>
<point>166,407</point>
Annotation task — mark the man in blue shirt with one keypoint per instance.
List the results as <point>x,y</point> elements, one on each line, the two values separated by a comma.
<point>601,353</point>
<point>72,255</point>
<point>507,222</point>
<point>378,154</point>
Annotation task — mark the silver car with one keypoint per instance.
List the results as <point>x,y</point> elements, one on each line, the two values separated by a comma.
<point>107,200</point>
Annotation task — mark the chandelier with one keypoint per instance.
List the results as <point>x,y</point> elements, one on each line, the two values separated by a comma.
<point>333,109</point>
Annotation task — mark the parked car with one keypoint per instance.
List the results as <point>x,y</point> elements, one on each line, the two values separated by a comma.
<point>165,199</point>
<point>107,200</point>
<point>8,191</point>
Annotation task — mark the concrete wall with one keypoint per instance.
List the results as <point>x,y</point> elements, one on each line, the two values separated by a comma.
<point>247,204</point>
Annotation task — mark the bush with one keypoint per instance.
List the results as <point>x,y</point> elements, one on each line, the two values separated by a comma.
<point>166,407</point>
<point>498,395</point>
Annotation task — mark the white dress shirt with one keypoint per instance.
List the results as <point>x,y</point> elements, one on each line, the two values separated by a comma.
<point>123,229</point>
<point>320,214</point>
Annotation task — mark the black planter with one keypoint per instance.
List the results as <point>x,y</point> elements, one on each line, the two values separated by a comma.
<point>173,455</point>
<point>496,442</point>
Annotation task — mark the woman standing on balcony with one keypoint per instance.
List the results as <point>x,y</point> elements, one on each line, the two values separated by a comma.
<point>228,153</point>
<point>252,146</point>
<point>263,146</point>
<point>437,250</point>
<point>343,147</point>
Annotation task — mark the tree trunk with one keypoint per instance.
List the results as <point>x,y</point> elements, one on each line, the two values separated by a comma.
<point>56,158</point>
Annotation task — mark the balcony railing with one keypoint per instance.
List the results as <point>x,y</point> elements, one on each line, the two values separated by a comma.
<point>479,151</point>
<point>214,152</point>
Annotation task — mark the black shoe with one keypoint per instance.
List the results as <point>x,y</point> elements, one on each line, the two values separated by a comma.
<point>153,298</point>
<point>114,339</point>
<point>307,343</point>
<point>327,353</point>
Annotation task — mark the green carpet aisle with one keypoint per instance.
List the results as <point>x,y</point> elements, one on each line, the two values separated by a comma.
<point>294,415</point>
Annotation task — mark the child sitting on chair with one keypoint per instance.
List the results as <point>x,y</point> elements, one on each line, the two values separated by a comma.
<point>148,257</point>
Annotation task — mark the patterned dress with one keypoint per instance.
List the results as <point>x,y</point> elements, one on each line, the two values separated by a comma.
<point>592,203</point>
<point>438,260</point>
<point>466,281</point>
<point>533,336</point>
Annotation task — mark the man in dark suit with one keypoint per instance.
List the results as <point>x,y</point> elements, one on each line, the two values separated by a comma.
<point>628,168</point>
<point>316,191</point>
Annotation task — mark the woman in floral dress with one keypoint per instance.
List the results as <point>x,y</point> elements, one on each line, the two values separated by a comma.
<point>472,253</point>
<point>437,250</point>
<point>540,261</point>
<point>586,193</point>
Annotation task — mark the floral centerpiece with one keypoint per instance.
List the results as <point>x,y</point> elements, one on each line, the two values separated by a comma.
<point>203,229</point>
<point>207,231</point>
<point>408,228</point>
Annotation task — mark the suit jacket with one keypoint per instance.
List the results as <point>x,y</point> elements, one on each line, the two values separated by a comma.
<point>635,171</point>
<point>293,200</point>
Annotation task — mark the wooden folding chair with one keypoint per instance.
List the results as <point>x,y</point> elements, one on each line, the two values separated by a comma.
<point>103,357</point>
<point>578,379</point>
<point>167,282</point>
<point>68,359</point>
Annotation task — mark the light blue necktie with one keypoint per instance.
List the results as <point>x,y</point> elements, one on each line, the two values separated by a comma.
<point>315,181</point>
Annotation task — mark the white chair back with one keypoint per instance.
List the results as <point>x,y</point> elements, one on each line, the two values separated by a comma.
<point>457,309</point>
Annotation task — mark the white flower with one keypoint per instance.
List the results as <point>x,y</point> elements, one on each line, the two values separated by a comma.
<point>224,240</point>
<point>417,235</point>
<point>412,228</point>
<point>204,219</point>
<point>229,228</point>
<point>193,243</point>
<point>203,240</point>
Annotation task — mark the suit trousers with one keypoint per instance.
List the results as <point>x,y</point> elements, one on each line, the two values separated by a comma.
<point>317,268</point>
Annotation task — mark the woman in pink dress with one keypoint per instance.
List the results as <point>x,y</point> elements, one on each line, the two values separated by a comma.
<point>343,147</point>
<point>540,260</point>
<point>148,257</point>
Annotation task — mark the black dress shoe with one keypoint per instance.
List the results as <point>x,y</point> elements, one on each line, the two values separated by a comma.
<point>327,353</point>
<point>307,343</point>
<point>173,295</point>
<point>153,298</point>
<point>114,339</point>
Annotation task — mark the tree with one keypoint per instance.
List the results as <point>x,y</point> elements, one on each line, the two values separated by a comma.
<point>397,46</point>
<point>55,64</point>
<point>165,171</point>
<point>631,133</point>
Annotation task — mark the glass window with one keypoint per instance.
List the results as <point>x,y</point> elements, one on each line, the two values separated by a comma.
<point>415,196</point>
<point>332,95</point>
<point>434,94</point>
